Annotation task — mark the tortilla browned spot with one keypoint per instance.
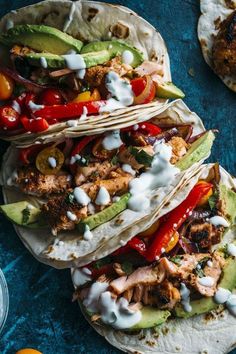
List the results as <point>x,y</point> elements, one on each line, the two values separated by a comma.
<point>120,31</point>
<point>92,13</point>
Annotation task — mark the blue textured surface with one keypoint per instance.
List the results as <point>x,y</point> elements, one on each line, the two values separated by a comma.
<point>41,314</point>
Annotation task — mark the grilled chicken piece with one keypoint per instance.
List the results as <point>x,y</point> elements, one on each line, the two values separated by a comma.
<point>166,295</point>
<point>31,181</point>
<point>149,68</point>
<point>224,47</point>
<point>125,156</point>
<point>179,148</point>
<point>205,235</point>
<point>93,171</point>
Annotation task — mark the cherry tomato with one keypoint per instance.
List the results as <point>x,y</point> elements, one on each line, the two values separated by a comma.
<point>138,85</point>
<point>203,201</point>
<point>51,97</point>
<point>34,125</point>
<point>6,86</point>
<point>144,90</point>
<point>9,118</point>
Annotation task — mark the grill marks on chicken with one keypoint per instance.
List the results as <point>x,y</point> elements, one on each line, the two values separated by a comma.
<point>31,181</point>
<point>224,47</point>
<point>205,235</point>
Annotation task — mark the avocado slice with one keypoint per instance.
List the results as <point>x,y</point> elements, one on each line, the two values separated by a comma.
<point>41,38</point>
<point>228,196</point>
<point>207,304</point>
<point>115,48</point>
<point>151,317</point>
<point>199,149</point>
<point>58,62</point>
<point>22,213</point>
<point>105,215</point>
<point>169,90</point>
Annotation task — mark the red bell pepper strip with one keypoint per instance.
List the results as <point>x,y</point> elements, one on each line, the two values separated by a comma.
<point>146,128</point>
<point>175,219</point>
<point>26,155</point>
<point>34,125</point>
<point>69,110</point>
<point>134,244</point>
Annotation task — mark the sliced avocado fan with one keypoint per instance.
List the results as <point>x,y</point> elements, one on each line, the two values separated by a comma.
<point>169,90</point>
<point>41,38</point>
<point>22,214</point>
<point>198,151</point>
<point>151,317</point>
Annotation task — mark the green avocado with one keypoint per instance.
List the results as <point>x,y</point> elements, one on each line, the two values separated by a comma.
<point>22,213</point>
<point>207,304</point>
<point>105,215</point>
<point>115,48</point>
<point>41,38</point>
<point>229,197</point>
<point>198,150</point>
<point>151,317</point>
<point>58,62</point>
<point>169,90</point>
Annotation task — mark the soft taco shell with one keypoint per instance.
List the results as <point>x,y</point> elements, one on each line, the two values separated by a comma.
<point>212,333</point>
<point>75,250</point>
<point>213,13</point>
<point>92,21</point>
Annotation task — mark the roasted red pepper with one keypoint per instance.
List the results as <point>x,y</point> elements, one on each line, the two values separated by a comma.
<point>134,244</point>
<point>146,128</point>
<point>175,219</point>
<point>34,125</point>
<point>80,146</point>
<point>69,110</point>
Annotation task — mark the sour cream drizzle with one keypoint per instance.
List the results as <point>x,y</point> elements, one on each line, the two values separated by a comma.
<point>127,57</point>
<point>231,248</point>
<point>74,61</point>
<point>103,197</point>
<point>206,281</point>
<point>43,62</point>
<point>35,107</point>
<point>81,196</point>
<point>87,233</point>
<point>71,216</point>
<point>185,298</point>
<point>218,221</point>
<point>112,140</point>
<point>224,296</point>
<point>52,162</point>
<point>84,114</point>
<point>127,168</point>
<point>81,276</point>
<point>161,174</point>
<point>15,105</point>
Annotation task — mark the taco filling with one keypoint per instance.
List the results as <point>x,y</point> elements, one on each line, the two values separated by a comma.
<point>53,77</point>
<point>88,181</point>
<point>176,268</point>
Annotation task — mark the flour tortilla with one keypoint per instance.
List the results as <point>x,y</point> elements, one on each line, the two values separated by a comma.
<point>75,250</point>
<point>92,21</point>
<point>213,13</point>
<point>201,334</point>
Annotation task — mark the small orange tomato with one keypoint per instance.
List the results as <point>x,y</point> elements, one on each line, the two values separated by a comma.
<point>173,242</point>
<point>28,351</point>
<point>205,198</point>
<point>150,231</point>
<point>6,87</point>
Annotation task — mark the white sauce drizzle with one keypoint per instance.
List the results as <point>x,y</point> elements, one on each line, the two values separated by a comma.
<point>80,74</point>
<point>43,62</point>
<point>110,105</point>
<point>72,123</point>
<point>81,196</point>
<point>91,208</point>
<point>74,61</point>
<point>135,127</point>
<point>84,114</point>
<point>218,221</point>
<point>15,105</point>
<point>92,299</point>
<point>222,295</point>
<point>71,216</point>
<point>11,180</point>
<point>127,168</point>
<point>127,57</point>
<point>206,281</point>
<point>9,24</point>
<point>70,17</point>
<point>161,174</point>
<point>112,140</point>
<point>185,298</point>
<point>35,107</point>
<point>103,197</point>
<point>210,264</point>
<point>115,199</point>
<point>231,304</point>
<point>87,233</point>
<point>81,276</point>
<point>231,248</point>
<point>52,162</point>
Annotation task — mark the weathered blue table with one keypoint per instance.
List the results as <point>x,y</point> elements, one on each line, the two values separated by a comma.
<point>41,314</point>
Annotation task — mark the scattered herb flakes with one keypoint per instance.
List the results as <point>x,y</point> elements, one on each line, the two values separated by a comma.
<point>199,270</point>
<point>212,201</point>
<point>114,160</point>
<point>176,260</point>
<point>102,262</point>
<point>70,198</point>
<point>84,161</point>
<point>191,72</point>
<point>25,216</point>
<point>141,156</point>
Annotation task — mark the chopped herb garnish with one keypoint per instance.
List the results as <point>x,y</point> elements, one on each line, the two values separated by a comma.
<point>127,267</point>
<point>212,201</point>
<point>141,156</point>
<point>176,259</point>
<point>84,161</point>
<point>114,160</point>
<point>102,262</point>
<point>225,251</point>
<point>70,198</point>
<point>200,266</point>
<point>25,216</point>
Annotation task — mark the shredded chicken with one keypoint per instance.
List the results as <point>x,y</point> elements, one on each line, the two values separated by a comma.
<point>179,148</point>
<point>149,68</point>
<point>94,171</point>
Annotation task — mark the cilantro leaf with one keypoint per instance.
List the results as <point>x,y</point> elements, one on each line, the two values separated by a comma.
<point>114,160</point>
<point>176,259</point>
<point>69,198</point>
<point>199,270</point>
<point>212,201</point>
<point>141,156</point>
<point>25,216</point>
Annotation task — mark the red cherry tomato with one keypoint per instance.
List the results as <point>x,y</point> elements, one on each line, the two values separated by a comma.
<point>51,97</point>
<point>144,90</point>
<point>9,118</point>
<point>138,85</point>
<point>34,125</point>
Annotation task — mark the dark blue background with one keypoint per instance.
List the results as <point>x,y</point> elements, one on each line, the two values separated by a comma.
<point>41,314</point>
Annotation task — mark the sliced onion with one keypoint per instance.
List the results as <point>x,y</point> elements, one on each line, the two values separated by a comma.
<point>145,93</point>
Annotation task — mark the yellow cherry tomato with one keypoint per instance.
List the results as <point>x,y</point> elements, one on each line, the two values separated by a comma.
<point>6,86</point>
<point>88,96</point>
<point>205,198</point>
<point>173,242</point>
<point>50,160</point>
<point>28,351</point>
<point>150,230</point>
